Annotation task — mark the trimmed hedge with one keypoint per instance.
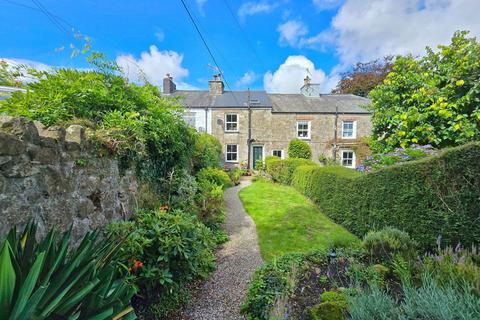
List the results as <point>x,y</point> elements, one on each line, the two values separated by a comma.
<point>282,170</point>
<point>430,197</point>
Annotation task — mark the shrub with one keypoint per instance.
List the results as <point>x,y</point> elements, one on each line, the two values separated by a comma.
<point>383,245</point>
<point>426,198</point>
<point>49,280</point>
<point>135,122</point>
<point>282,170</point>
<point>432,301</point>
<point>214,175</point>
<point>299,149</point>
<point>210,200</point>
<point>373,303</point>
<point>235,175</point>
<point>332,307</point>
<point>271,282</point>
<point>207,152</point>
<point>172,248</point>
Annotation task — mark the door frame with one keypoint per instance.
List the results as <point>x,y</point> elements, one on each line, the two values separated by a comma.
<point>252,165</point>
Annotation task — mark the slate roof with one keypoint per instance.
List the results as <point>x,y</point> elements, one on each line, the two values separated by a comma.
<point>233,99</point>
<point>278,102</point>
<point>325,103</point>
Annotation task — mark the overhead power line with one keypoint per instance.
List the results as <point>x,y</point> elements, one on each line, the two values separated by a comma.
<point>51,17</point>
<point>244,34</point>
<point>208,49</point>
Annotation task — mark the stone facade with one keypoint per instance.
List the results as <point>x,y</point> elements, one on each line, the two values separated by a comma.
<point>53,177</point>
<point>274,131</point>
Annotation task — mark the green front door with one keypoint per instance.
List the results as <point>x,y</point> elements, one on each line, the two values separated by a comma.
<point>257,155</point>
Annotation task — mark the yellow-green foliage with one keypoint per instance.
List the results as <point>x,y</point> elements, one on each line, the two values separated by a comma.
<point>299,149</point>
<point>426,198</point>
<point>282,170</point>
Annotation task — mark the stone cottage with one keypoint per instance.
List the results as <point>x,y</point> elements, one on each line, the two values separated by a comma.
<point>254,124</point>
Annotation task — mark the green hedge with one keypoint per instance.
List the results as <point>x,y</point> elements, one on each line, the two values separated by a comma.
<point>282,170</point>
<point>426,198</point>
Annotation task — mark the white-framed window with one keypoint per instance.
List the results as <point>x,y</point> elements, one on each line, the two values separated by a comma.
<point>278,153</point>
<point>231,153</point>
<point>303,129</point>
<point>231,122</point>
<point>348,158</point>
<point>349,129</point>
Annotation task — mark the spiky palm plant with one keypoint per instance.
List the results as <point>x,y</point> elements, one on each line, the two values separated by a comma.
<point>49,280</point>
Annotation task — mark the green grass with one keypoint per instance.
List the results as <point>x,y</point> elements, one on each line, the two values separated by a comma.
<point>287,221</point>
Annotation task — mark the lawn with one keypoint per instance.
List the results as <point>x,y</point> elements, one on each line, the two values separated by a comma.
<point>287,221</point>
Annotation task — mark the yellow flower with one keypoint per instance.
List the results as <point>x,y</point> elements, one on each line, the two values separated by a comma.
<point>401,133</point>
<point>414,140</point>
<point>459,83</point>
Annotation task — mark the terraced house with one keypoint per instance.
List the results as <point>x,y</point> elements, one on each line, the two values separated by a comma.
<point>254,124</point>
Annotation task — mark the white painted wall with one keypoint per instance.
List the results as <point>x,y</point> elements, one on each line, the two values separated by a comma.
<point>200,118</point>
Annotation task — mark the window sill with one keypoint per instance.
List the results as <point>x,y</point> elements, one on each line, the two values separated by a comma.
<point>238,131</point>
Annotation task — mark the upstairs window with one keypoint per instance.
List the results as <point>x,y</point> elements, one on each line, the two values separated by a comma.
<point>349,130</point>
<point>231,122</point>
<point>231,154</point>
<point>348,158</point>
<point>278,153</point>
<point>303,129</point>
<point>190,118</point>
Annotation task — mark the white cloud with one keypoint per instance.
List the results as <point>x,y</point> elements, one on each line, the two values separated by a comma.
<point>39,66</point>
<point>327,4</point>
<point>288,78</point>
<point>368,29</point>
<point>253,8</point>
<point>291,32</point>
<point>200,4</point>
<point>154,64</point>
<point>247,78</point>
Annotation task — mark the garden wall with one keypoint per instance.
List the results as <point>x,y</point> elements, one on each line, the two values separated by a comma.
<point>430,197</point>
<point>53,177</point>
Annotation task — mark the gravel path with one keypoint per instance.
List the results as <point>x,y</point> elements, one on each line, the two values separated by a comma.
<point>221,295</point>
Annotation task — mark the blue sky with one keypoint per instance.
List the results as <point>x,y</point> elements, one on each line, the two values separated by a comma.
<point>276,42</point>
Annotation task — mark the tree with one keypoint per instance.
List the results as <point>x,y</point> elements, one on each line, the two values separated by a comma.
<point>433,100</point>
<point>364,77</point>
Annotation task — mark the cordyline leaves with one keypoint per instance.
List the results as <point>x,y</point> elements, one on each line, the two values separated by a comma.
<point>432,100</point>
<point>43,280</point>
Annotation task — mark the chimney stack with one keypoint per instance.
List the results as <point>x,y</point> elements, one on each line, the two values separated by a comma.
<point>169,86</point>
<point>306,81</point>
<point>216,85</point>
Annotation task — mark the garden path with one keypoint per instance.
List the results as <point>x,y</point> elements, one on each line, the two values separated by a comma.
<point>220,297</point>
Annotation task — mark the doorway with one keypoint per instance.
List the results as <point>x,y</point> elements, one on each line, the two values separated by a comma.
<point>257,155</point>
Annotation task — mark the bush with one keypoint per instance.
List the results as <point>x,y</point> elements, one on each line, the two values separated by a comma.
<point>385,244</point>
<point>299,149</point>
<point>332,307</point>
<point>235,175</point>
<point>135,122</point>
<point>426,198</point>
<point>271,282</point>
<point>373,303</point>
<point>282,170</point>
<point>207,152</point>
<point>165,250</point>
<point>49,280</point>
<point>216,176</point>
<point>210,200</point>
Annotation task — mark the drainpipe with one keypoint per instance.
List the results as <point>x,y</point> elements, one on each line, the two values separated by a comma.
<point>249,141</point>
<point>335,135</point>
<point>206,120</point>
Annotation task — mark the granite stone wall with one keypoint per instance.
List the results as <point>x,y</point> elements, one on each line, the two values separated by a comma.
<point>54,177</point>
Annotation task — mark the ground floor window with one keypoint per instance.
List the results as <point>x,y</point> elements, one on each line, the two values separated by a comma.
<point>278,153</point>
<point>231,154</point>
<point>348,158</point>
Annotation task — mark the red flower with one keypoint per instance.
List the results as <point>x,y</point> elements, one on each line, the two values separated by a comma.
<point>137,264</point>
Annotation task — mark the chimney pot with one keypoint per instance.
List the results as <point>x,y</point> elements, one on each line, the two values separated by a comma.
<point>169,86</point>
